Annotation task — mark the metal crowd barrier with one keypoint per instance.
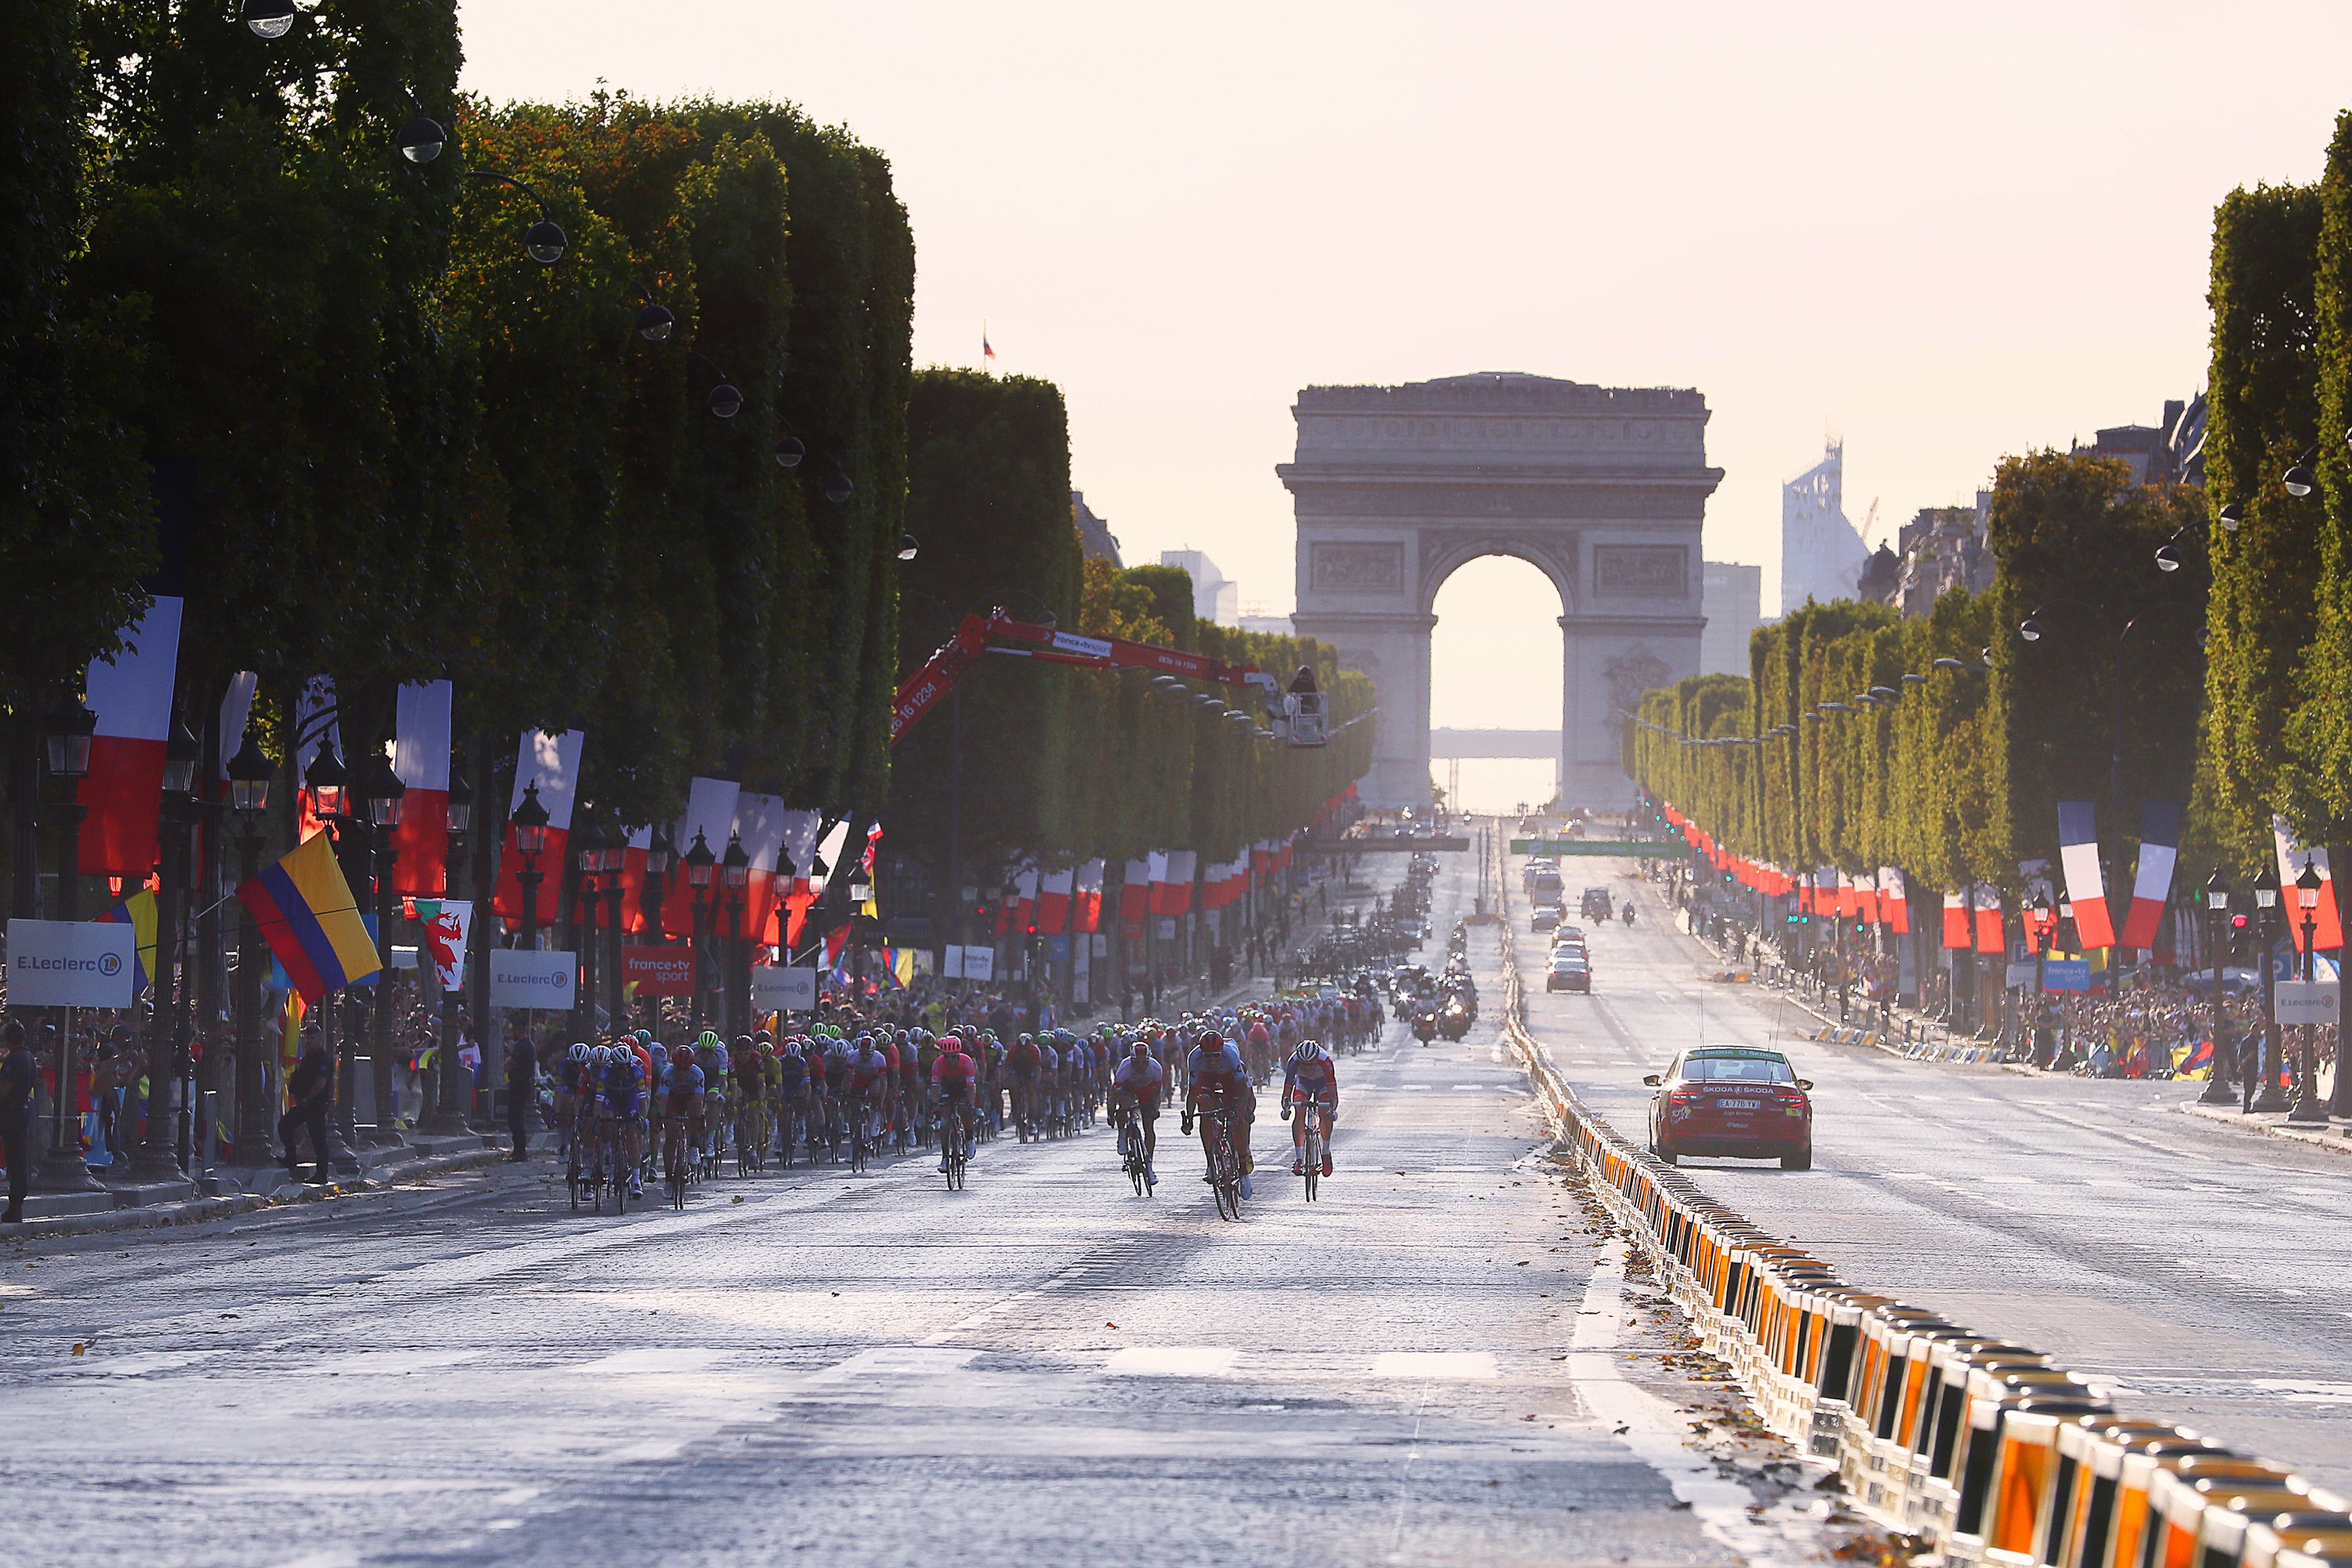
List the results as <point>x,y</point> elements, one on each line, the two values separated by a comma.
<point>1989,1451</point>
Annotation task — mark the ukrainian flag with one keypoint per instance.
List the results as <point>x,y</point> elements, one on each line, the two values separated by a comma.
<point>310,921</point>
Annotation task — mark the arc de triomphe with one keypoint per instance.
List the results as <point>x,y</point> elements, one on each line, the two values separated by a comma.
<point>1601,489</point>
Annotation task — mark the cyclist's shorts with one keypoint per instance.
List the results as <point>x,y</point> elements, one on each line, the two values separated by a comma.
<point>955,1093</point>
<point>680,1107</point>
<point>626,1107</point>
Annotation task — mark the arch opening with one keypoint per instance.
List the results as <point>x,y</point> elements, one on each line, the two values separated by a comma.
<point>1497,670</point>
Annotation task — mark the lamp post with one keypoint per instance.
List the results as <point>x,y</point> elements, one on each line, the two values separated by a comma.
<point>382,795</point>
<point>659,856</point>
<point>330,787</point>
<point>699,861</point>
<point>616,865</point>
<point>446,1102</point>
<point>157,1157</point>
<point>588,845</point>
<point>2268,1097</point>
<point>249,773</point>
<point>67,729</point>
<point>735,870</point>
<point>2218,1076</point>
<point>2044,921</point>
<point>531,842</point>
<point>2307,1106</point>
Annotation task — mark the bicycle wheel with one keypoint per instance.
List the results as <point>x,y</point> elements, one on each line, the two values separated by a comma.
<point>1313,1163</point>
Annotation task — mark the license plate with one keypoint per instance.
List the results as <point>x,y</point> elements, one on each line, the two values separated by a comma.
<point>1739,1104</point>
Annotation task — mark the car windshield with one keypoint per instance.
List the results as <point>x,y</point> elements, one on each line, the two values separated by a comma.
<point>1736,1070</point>
<point>1567,960</point>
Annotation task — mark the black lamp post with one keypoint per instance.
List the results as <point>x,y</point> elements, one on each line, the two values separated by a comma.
<point>67,729</point>
<point>2307,1106</point>
<point>383,798</point>
<point>448,1104</point>
<point>249,773</point>
<point>700,862</point>
<point>2266,892</point>
<point>157,1157</point>
<point>660,855</point>
<point>330,787</point>
<point>2224,1068</point>
<point>617,864</point>
<point>2044,921</point>
<point>735,869</point>
<point>531,842</point>
<point>588,844</point>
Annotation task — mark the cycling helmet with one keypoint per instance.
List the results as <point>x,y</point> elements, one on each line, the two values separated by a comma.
<point>765,1038</point>
<point>682,1057</point>
<point>600,1055</point>
<point>579,1052</point>
<point>705,1040</point>
<point>645,1037</point>
<point>1308,1051</point>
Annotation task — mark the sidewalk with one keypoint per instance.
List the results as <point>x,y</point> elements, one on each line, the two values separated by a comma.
<point>232,1190</point>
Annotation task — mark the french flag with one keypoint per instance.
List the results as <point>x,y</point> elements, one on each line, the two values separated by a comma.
<point>1135,895</point>
<point>1894,909</point>
<point>1183,869</point>
<point>122,795</point>
<point>760,823</point>
<point>1989,933</point>
<point>1053,891</point>
<point>1158,860</point>
<point>711,812</point>
<point>1086,913</point>
<point>632,879</point>
<point>2160,847</point>
<point>802,831</point>
<point>2086,887</point>
<point>420,759</point>
<point>1024,898</point>
<point>1956,923</point>
<point>2328,925</point>
<point>553,762</point>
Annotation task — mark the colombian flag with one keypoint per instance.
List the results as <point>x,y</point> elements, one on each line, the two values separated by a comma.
<point>137,913</point>
<point>310,921</point>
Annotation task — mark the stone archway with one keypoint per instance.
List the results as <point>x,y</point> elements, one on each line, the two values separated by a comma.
<point>1602,490</point>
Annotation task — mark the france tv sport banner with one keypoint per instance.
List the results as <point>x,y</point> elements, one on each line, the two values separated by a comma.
<point>553,762</point>
<point>420,759</point>
<point>122,795</point>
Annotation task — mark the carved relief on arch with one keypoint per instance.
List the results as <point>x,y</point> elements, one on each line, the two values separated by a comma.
<point>1444,553</point>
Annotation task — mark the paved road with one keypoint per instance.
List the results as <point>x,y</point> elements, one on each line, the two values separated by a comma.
<point>1439,1363</point>
<point>2200,1268</point>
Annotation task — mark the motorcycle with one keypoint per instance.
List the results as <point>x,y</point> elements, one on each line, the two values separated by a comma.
<point>1454,1023</point>
<point>1628,916</point>
<point>1424,1025</point>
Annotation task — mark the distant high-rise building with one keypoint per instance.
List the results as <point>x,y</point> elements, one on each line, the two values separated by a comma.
<point>1821,553</point>
<point>2172,453</point>
<point>1215,597</point>
<point>1095,536</point>
<point>1731,597</point>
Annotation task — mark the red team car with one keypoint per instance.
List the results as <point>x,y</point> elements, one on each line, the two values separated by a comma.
<point>1733,1102</point>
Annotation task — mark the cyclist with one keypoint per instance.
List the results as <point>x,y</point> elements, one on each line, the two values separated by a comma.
<point>954,1076</point>
<point>621,1106</point>
<point>710,1056</point>
<point>1311,1078</point>
<point>683,1086</point>
<point>867,1076</point>
<point>1135,1090</point>
<point>567,1097</point>
<point>751,1096</point>
<point>1215,1080</point>
<point>1024,1058</point>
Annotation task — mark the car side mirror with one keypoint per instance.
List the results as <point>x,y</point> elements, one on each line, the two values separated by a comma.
<point>1651,1080</point>
<point>1805,1083</point>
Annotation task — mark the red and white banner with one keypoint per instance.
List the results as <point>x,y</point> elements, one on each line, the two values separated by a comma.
<point>2327,925</point>
<point>1987,909</point>
<point>1085,909</point>
<point>1894,907</point>
<point>420,759</point>
<point>122,795</point>
<point>2086,887</point>
<point>1183,868</point>
<point>709,811</point>
<point>1023,913</point>
<point>1054,891</point>
<point>1135,894</point>
<point>801,829</point>
<point>1956,937</point>
<point>553,762</point>
<point>760,823</point>
<point>2159,849</point>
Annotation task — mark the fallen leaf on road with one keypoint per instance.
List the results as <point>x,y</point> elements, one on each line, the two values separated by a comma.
<point>81,1348</point>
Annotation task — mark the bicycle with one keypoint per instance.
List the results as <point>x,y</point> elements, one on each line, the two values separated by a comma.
<point>613,1158</point>
<point>1132,1155</point>
<point>955,1146</point>
<point>751,1138</point>
<point>1224,1164</point>
<point>1311,1162</point>
<point>676,1161</point>
<point>575,1173</point>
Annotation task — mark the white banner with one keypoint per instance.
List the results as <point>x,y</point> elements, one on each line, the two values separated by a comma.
<point>446,935</point>
<point>542,982</point>
<point>979,963</point>
<point>784,988</point>
<point>70,964</point>
<point>2296,1001</point>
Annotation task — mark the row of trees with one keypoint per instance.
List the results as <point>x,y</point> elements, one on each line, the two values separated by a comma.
<point>1951,736</point>
<point>1059,762</point>
<point>384,441</point>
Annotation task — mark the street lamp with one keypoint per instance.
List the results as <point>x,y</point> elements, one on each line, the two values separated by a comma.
<point>2266,892</point>
<point>544,241</point>
<point>699,861</point>
<point>250,775</point>
<point>2307,1106</point>
<point>382,794</point>
<point>735,870</point>
<point>461,803</point>
<point>269,18</point>
<point>67,730</point>
<point>2217,1079</point>
<point>588,845</point>
<point>327,781</point>
<point>530,841</point>
<point>790,450</point>
<point>660,854</point>
<point>907,547</point>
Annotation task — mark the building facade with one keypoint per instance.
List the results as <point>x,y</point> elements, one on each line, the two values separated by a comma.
<point>1603,490</point>
<point>1821,553</point>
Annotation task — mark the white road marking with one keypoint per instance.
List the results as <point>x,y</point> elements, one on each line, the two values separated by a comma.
<point>1453,1365</point>
<point>137,1365</point>
<point>1173,1360</point>
<point>658,1358</point>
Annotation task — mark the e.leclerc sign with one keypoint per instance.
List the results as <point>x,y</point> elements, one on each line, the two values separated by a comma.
<point>70,964</point>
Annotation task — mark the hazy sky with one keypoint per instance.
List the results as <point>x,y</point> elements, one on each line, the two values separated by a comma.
<point>1945,232</point>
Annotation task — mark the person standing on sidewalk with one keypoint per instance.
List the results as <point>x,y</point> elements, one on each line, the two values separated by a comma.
<point>522,1088</point>
<point>312,1087</point>
<point>19,1075</point>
